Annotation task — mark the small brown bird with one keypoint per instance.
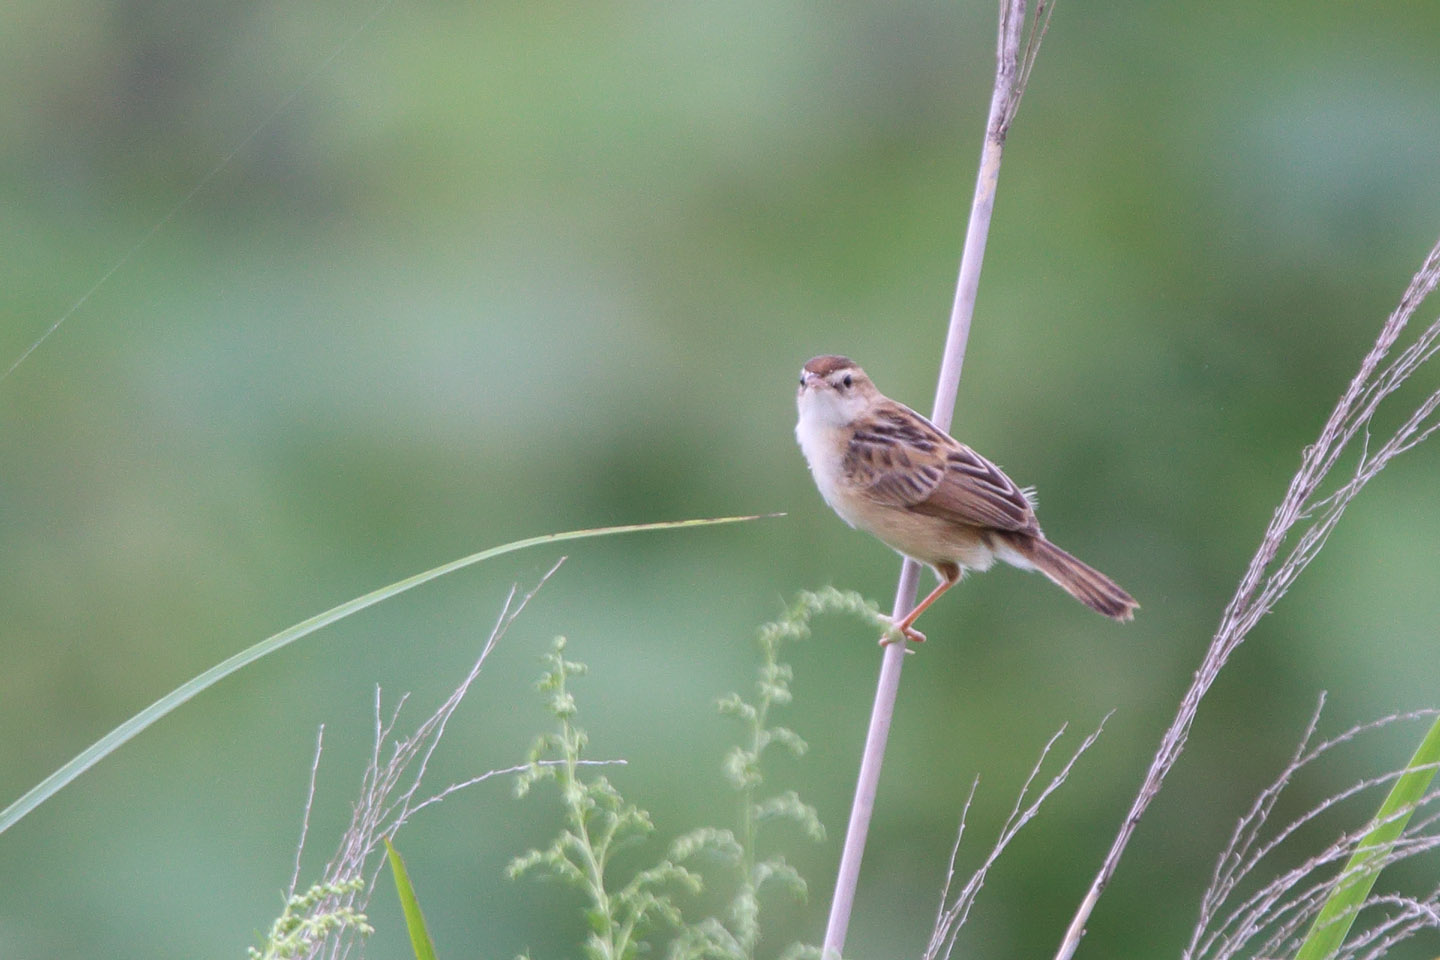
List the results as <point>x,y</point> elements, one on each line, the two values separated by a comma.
<point>890,472</point>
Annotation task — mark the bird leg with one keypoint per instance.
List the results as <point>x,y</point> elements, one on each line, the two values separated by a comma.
<point>949,576</point>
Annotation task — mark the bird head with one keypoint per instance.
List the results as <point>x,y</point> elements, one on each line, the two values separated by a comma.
<point>834,391</point>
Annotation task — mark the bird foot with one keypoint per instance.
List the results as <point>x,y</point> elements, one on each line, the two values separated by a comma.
<point>894,633</point>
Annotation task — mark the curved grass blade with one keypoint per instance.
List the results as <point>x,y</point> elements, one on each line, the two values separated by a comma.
<point>107,744</point>
<point>1327,933</point>
<point>420,940</point>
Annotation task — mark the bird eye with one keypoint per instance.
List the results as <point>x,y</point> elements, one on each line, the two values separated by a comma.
<point>802,378</point>
<point>848,381</point>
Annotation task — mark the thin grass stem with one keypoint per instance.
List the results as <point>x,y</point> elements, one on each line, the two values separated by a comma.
<point>1011,72</point>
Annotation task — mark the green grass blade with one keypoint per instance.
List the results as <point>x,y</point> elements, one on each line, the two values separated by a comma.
<point>107,744</point>
<point>1328,932</point>
<point>420,940</point>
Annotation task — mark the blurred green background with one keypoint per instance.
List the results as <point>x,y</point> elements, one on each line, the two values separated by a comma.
<point>493,270</point>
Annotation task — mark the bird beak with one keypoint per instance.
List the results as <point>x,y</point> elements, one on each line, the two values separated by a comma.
<point>808,379</point>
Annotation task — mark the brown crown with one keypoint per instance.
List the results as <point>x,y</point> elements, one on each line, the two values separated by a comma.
<point>826,365</point>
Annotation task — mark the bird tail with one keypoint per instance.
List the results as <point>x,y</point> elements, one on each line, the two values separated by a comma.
<point>1081,581</point>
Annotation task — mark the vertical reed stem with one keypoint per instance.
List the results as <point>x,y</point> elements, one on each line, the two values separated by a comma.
<point>1010,74</point>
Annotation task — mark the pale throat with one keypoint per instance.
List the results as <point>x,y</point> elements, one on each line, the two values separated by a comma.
<point>820,431</point>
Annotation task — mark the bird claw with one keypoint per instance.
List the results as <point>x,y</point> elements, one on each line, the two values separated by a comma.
<point>893,635</point>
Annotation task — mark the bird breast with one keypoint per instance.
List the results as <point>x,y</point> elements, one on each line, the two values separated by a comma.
<point>824,449</point>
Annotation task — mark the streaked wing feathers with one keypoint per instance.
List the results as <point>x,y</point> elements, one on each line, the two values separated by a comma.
<point>896,457</point>
<point>977,492</point>
<point>903,460</point>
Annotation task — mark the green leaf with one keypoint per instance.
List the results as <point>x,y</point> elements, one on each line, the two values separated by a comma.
<point>420,940</point>
<point>107,744</point>
<point>1332,924</point>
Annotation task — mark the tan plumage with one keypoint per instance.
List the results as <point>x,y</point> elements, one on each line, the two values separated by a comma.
<point>891,472</point>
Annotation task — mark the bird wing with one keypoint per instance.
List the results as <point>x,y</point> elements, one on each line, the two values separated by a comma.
<point>900,459</point>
